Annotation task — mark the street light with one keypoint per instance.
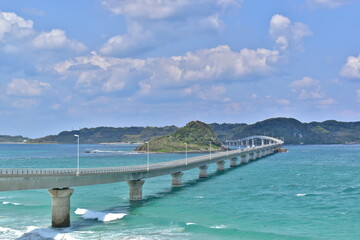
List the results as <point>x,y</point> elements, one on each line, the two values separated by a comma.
<point>210,149</point>
<point>186,159</point>
<point>148,162</point>
<point>227,149</point>
<point>78,154</point>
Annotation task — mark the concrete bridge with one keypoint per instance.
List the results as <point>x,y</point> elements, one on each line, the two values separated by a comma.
<point>59,181</point>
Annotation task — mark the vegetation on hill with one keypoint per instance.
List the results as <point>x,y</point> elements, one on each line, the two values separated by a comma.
<point>108,135</point>
<point>197,135</point>
<point>292,130</point>
<point>12,139</point>
<point>295,132</point>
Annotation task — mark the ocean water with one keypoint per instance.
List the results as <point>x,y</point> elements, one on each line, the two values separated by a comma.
<point>308,193</point>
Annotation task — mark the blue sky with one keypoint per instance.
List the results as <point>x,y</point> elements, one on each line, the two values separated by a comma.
<point>72,64</point>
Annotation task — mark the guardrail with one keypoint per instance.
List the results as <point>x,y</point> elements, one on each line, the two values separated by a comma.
<point>137,168</point>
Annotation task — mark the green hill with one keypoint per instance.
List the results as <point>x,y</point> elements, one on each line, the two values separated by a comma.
<point>195,134</point>
<point>108,135</point>
<point>294,132</point>
<point>12,139</point>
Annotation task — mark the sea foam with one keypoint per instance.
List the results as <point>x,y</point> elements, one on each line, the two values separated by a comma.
<point>34,233</point>
<point>100,216</point>
<point>11,203</point>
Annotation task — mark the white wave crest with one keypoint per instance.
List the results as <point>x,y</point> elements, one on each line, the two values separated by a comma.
<point>100,216</point>
<point>12,203</point>
<point>8,231</point>
<point>301,194</point>
<point>219,226</point>
<point>190,223</point>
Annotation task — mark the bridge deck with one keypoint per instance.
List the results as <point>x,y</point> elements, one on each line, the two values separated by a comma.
<point>21,179</point>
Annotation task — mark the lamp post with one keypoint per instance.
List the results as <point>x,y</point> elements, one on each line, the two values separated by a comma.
<point>210,149</point>
<point>148,161</point>
<point>186,158</point>
<point>227,149</point>
<point>78,154</point>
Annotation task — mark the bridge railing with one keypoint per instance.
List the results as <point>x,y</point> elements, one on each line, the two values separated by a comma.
<point>205,159</point>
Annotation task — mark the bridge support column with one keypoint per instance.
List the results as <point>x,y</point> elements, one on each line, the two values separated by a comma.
<point>258,155</point>
<point>251,156</point>
<point>135,189</point>
<point>203,171</point>
<point>233,162</point>
<point>220,165</point>
<point>176,179</point>
<point>243,158</point>
<point>60,204</point>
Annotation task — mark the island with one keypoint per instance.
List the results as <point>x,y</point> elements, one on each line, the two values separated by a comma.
<point>196,136</point>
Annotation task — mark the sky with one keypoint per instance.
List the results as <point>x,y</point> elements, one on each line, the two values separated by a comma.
<point>67,64</point>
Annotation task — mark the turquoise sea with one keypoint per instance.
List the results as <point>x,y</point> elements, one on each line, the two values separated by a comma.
<point>308,193</point>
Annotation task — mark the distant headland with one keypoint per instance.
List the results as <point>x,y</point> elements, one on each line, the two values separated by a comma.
<point>289,129</point>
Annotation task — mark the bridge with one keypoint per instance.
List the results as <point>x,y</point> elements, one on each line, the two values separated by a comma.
<point>59,181</point>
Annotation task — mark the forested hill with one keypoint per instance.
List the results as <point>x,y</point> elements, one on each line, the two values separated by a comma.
<point>196,136</point>
<point>292,130</point>
<point>108,135</point>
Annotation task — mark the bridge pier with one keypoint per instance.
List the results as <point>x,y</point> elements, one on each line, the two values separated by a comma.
<point>243,158</point>
<point>220,165</point>
<point>251,156</point>
<point>60,204</point>
<point>203,171</point>
<point>233,162</point>
<point>258,155</point>
<point>263,153</point>
<point>135,190</point>
<point>176,179</point>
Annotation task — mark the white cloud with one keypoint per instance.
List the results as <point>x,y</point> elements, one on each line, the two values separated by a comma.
<point>358,95</point>
<point>352,67</point>
<point>13,26</point>
<point>212,93</point>
<point>326,103</point>
<point>154,23</point>
<point>56,39</point>
<point>283,101</point>
<point>307,88</point>
<point>166,9</point>
<point>23,87</point>
<point>17,34</point>
<point>326,3</point>
<point>286,33</point>
<point>304,82</point>
<point>204,66</point>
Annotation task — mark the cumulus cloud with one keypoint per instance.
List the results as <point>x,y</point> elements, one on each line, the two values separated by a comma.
<point>153,23</point>
<point>286,33</point>
<point>17,33</point>
<point>23,87</point>
<point>14,26</point>
<point>56,39</point>
<point>203,66</point>
<point>352,67</point>
<point>307,88</point>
